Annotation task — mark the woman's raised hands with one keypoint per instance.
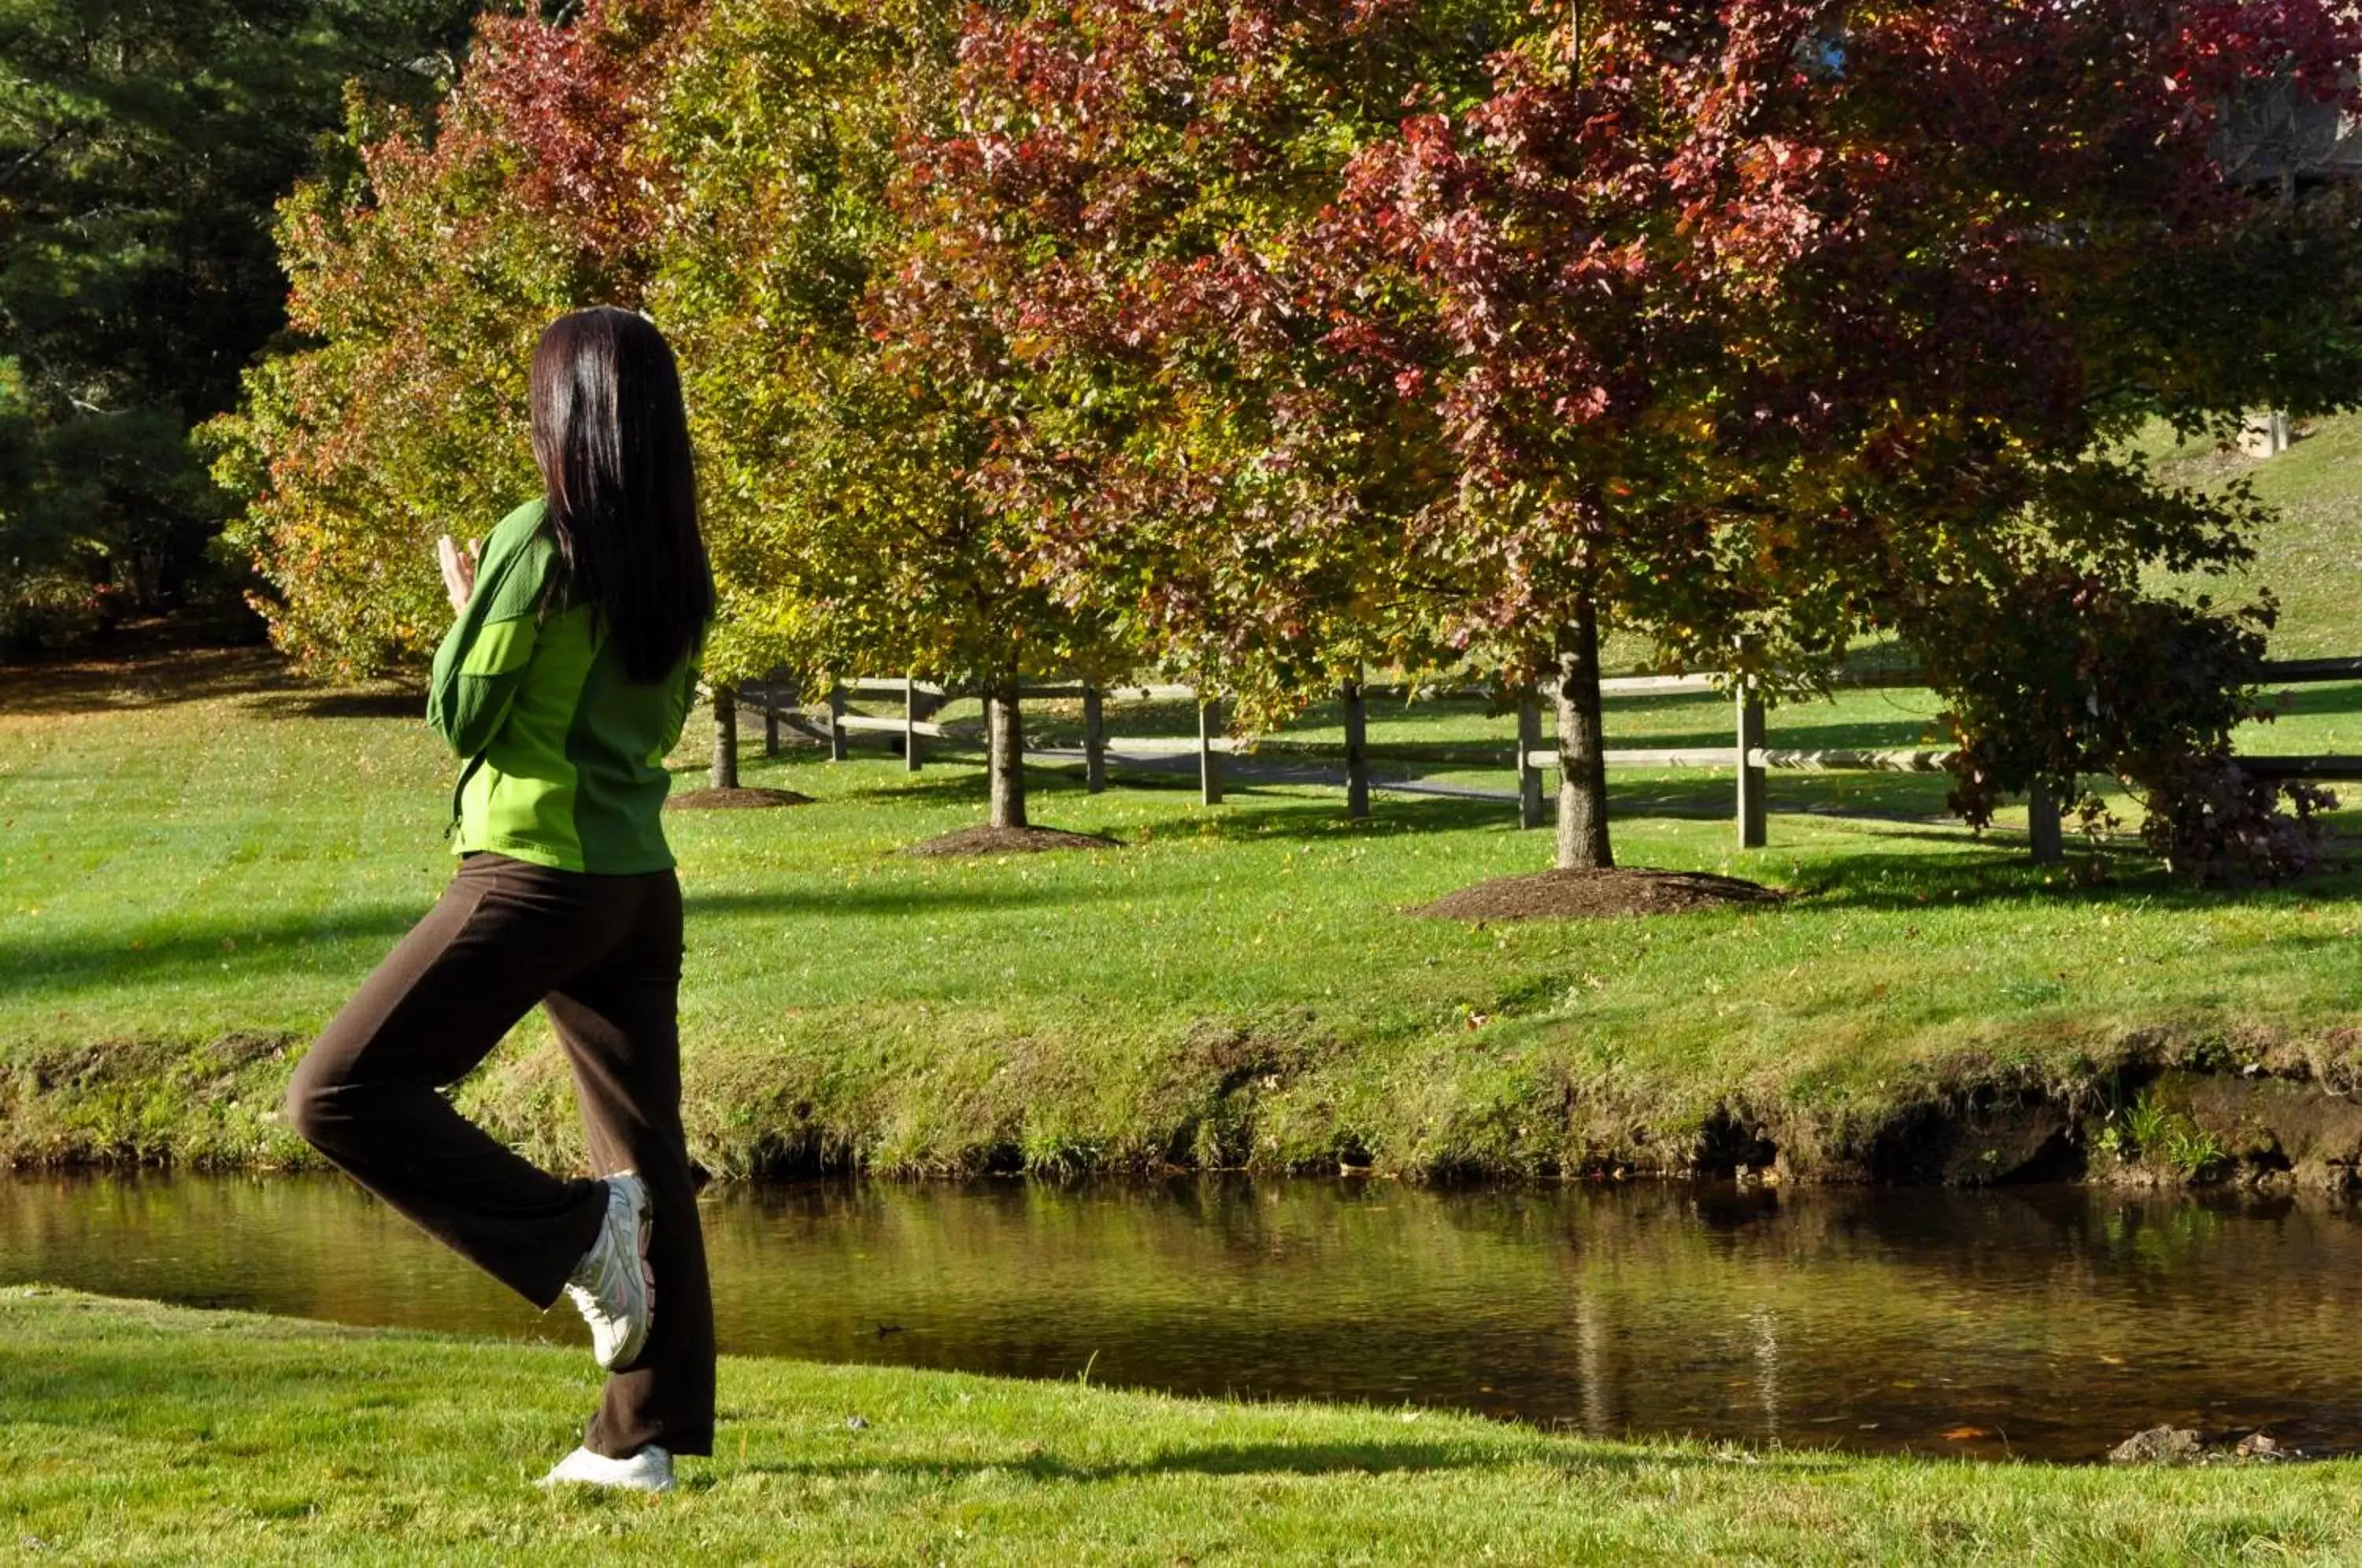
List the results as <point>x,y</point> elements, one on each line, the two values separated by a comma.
<point>458,569</point>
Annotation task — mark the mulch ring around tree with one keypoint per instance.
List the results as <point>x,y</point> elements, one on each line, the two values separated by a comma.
<point>1598,895</point>
<point>736,799</point>
<point>1009,841</point>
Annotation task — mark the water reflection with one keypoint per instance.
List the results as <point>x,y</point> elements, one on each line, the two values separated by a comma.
<point>2045,1323</point>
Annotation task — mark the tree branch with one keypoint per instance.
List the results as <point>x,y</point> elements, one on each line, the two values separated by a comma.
<point>9,176</point>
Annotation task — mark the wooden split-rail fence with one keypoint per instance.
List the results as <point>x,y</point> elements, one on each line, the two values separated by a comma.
<point>1750,756</point>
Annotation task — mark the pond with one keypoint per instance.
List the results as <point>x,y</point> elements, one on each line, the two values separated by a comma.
<point>2046,1323</point>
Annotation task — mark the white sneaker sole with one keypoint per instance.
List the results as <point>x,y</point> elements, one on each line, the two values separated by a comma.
<point>648,1471</point>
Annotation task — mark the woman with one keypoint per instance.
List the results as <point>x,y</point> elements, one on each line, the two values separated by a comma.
<point>563,684</point>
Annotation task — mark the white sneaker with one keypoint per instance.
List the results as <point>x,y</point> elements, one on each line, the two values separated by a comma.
<point>650,1470</point>
<point>612,1285</point>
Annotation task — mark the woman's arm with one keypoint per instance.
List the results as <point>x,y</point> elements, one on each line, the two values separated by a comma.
<point>476,678</point>
<point>483,657</point>
<point>684,698</point>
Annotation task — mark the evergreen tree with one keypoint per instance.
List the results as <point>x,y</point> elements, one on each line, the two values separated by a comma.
<point>143,146</point>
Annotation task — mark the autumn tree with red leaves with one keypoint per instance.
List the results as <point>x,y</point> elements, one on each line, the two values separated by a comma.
<point>1269,336</point>
<point>1101,264</point>
<point>1748,329</point>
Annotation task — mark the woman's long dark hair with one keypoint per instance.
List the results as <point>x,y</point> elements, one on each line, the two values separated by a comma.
<point>611,438</point>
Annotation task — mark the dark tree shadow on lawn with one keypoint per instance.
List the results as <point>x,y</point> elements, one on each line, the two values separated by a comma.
<point>1869,880</point>
<point>1294,818</point>
<point>387,701</point>
<point>1279,809</point>
<point>232,947</point>
<point>146,677</point>
<point>97,684</point>
<point>1888,809</point>
<point>902,899</point>
<point>1796,729</point>
<point>2331,700</point>
<point>241,941</point>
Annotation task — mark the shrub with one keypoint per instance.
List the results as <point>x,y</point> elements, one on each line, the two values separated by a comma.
<point>46,612</point>
<point>2071,674</point>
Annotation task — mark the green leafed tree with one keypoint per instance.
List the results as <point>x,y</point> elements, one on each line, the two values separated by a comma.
<point>422,270</point>
<point>846,467</point>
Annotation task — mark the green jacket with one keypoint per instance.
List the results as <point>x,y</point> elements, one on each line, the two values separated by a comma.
<point>566,752</point>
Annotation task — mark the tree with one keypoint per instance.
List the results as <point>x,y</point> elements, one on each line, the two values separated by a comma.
<point>1759,328</point>
<point>422,272</point>
<point>141,147</point>
<point>1750,329</point>
<point>1103,249</point>
<point>845,447</point>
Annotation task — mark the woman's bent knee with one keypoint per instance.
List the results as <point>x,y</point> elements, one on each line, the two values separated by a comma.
<point>318,1101</point>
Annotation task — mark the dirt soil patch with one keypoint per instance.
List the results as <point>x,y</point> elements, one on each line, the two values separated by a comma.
<point>1009,841</point>
<point>736,799</point>
<point>1597,894</point>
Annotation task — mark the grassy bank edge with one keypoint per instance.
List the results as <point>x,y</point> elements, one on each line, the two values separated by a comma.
<point>973,1094</point>
<point>131,1431</point>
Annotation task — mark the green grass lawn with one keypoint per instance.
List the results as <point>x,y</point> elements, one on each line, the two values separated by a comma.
<point>199,861</point>
<point>200,858</point>
<point>131,1432</point>
<point>2311,559</point>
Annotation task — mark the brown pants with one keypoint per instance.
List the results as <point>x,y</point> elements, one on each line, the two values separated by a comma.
<point>603,953</point>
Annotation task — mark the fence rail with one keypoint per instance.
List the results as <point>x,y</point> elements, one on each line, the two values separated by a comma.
<point>1748,756</point>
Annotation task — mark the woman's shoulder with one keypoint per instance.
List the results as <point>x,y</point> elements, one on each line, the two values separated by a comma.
<point>519,528</point>
<point>515,564</point>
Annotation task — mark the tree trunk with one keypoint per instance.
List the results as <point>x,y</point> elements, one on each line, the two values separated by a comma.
<point>1582,749</point>
<point>1004,724</point>
<point>1357,751</point>
<point>726,737</point>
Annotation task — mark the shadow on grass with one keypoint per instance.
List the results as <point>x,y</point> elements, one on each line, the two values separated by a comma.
<point>144,676</point>
<point>1945,862</point>
<point>1267,802</point>
<point>2312,701</point>
<point>229,944</point>
<point>369,703</point>
<point>1869,881</point>
<point>240,946</point>
<point>97,685</point>
<point>835,898</point>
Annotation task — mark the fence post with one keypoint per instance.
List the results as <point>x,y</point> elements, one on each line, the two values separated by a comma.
<point>1357,741</point>
<point>1209,762</point>
<point>1094,739</point>
<point>1530,778</point>
<point>836,723</point>
<point>2045,827</point>
<point>1754,825</point>
<point>911,760</point>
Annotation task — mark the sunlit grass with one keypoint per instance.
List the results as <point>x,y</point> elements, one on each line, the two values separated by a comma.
<point>2310,559</point>
<point>136,1433</point>
<point>198,871</point>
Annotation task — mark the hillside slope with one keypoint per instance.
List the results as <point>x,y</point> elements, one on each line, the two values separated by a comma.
<point>2311,555</point>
